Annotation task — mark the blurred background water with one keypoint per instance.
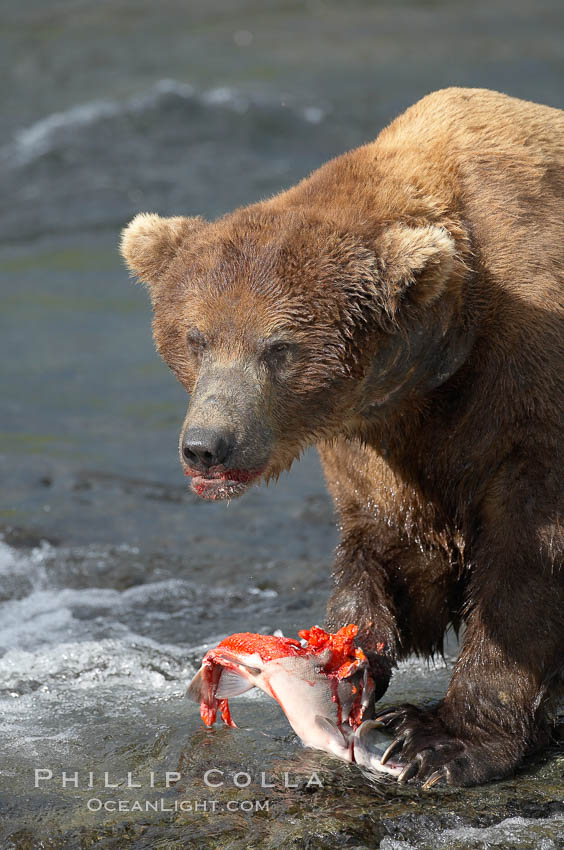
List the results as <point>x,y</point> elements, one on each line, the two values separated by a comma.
<point>113,579</point>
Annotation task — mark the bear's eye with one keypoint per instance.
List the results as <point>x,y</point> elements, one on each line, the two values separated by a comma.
<point>277,352</point>
<point>279,348</point>
<point>196,341</point>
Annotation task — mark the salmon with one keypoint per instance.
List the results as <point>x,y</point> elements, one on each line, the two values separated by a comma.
<point>322,683</point>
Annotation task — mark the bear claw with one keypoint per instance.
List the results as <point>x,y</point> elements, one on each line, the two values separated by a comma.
<point>433,779</point>
<point>429,753</point>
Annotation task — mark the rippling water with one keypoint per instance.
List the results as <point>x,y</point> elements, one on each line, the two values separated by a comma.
<point>162,148</point>
<point>114,579</point>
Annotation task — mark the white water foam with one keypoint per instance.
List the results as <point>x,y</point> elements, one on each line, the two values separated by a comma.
<point>34,141</point>
<point>138,663</point>
<point>58,638</point>
<point>512,832</point>
<point>15,566</point>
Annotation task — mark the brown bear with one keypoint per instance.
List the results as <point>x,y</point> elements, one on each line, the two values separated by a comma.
<point>402,309</point>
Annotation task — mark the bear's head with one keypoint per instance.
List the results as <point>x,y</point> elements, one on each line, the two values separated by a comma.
<point>286,331</point>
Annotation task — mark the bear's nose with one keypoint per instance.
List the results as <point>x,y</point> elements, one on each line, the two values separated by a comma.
<point>203,448</point>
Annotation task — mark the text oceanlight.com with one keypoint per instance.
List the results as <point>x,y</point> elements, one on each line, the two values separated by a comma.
<point>214,778</point>
<point>95,804</point>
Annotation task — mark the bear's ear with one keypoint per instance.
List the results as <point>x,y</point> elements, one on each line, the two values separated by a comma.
<point>415,263</point>
<point>149,243</point>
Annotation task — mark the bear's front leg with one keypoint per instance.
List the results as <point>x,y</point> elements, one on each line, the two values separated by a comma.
<point>496,710</point>
<point>361,595</point>
<point>400,594</point>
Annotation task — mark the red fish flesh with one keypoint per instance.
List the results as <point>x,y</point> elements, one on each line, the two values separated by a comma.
<point>323,684</point>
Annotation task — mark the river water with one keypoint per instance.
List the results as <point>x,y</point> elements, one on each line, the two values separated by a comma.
<point>114,579</point>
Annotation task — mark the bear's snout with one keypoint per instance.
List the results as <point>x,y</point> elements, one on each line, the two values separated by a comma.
<point>204,448</point>
<point>226,442</point>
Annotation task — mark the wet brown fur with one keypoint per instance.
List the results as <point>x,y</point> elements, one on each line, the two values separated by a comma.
<point>421,278</point>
